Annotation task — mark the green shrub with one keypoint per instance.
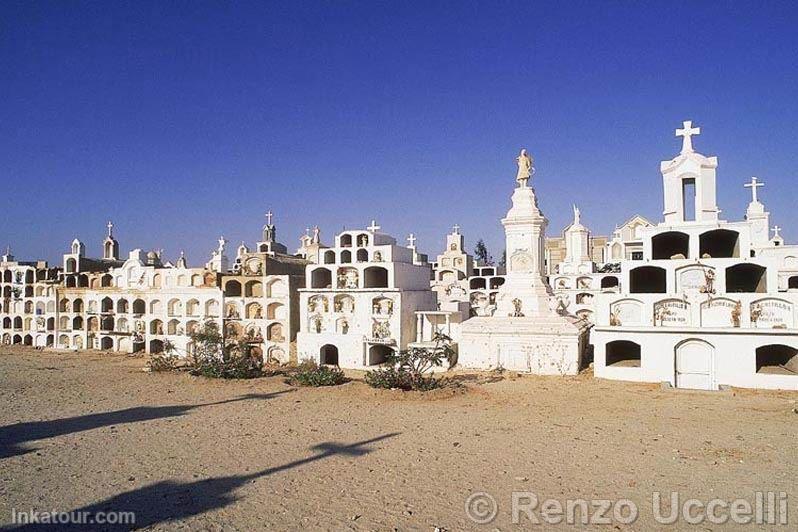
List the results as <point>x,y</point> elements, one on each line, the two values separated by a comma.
<point>406,370</point>
<point>310,374</point>
<point>167,360</point>
<point>215,358</point>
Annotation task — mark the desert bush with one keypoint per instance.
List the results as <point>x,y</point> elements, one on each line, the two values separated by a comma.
<point>167,360</point>
<point>310,374</point>
<point>213,357</point>
<point>407,370</point>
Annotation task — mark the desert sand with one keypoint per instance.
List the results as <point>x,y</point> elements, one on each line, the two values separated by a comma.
<point>94,432</point>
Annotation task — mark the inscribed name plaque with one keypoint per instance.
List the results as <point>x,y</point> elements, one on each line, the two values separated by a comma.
<point>628,312</point>
<point>672,313</point>
<point>770,313</point>
<point>717,313</point>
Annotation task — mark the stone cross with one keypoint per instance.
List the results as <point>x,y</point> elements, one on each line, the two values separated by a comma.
<point>110,228</point>
<point>269,217</point>
<point>686,133</point>
<point>411,239</point>
<point>776,230</point>
<point>753,185</point>
<point>373,227</point>
<point>456,229</point>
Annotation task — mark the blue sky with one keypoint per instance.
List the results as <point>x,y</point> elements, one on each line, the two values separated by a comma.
<point>181,121</point>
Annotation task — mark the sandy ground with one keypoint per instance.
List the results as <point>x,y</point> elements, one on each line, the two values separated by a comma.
<point>93,432</point>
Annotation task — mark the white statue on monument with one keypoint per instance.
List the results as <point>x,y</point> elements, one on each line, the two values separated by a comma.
<point>525,168</point>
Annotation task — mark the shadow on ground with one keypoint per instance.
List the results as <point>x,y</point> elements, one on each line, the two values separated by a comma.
<point>170,501</point>
<point>13,436</point>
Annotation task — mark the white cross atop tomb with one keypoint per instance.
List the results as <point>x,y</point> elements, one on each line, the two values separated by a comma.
<point>269,217</point>
<point>686,133</point>
<point>374,227</point>
<point>411,239</point>
<point>456,229</point>
<point>753,185</point>
<point>776,230</point>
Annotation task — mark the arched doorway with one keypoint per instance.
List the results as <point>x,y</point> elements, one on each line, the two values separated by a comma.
<point>378,354</point>
<point>328,354</point>
<point>694,365</point>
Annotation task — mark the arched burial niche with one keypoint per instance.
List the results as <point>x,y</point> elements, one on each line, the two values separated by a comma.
<point>232,289</point>
<point>156,346</point>
<point>375,277</point>
<point>362,255</point>
<point>329,257</point>
<point>609,282</point>
<point>647,280</point>
<point>622,353</point>
<point>670,245</point>
<point>746,277</point>
<point>253,289</point>
<point>777,359</point>
<point>719,244</point>
<point>321,278</point>
<point>378,354</point>
<point>477,283</point>
<point>106,343</point>
<point>328,354</point>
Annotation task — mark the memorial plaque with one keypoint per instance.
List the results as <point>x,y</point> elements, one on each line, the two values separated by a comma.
<point>770,313</point>
<point>717,313</point>
<point>672,313</point>
<point>628,311</point>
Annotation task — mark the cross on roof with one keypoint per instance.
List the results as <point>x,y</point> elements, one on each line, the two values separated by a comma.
<point>753,185</point>
<point>776,230</point>
<point>269,217</point>
<point>411,239</point>
<point>110,227</point>
<point>687,132</point>
<point>456,229</point>
<point>373,227</point>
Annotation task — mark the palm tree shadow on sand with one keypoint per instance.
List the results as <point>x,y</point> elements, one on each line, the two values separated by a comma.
<point>170,501</point>
<point>12,436</point>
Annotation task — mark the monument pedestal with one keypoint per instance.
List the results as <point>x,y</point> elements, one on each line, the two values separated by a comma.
<point>525,333</point>
<point>545,345</point>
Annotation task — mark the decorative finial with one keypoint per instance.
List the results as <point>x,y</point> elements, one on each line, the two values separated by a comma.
<point>686,133</point>
<point>753,185</point>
